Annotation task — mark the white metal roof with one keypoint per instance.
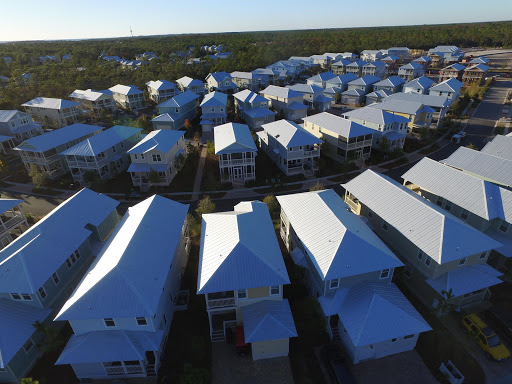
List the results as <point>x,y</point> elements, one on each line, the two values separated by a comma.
<point>214,99</point>
<point>125,89</point>
<point>450,85</point>
<point>162,140</point>
<point>339,125</point>
<point>436,232</point>
<point>428,100</point>
<point>239,250</point>
<point>248,96</point>
<point>290,134</point>
<point>500,146</point>
<point>233,138</point>
<point>128,276</point>
<point>161,85</point>
<point>282,92</point>
<point>375,115</point>
<point>88,94</point>
<point>50,103</point>
<point>338,243</point>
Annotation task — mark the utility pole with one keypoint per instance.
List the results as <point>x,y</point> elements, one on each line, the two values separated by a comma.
<point>131,32</point>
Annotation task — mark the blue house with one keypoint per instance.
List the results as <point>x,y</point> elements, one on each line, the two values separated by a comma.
<point>121,311</point>
<point>392,84</point>
<point>174,112</point>
<point>253,109</point>
<point>40,267</point>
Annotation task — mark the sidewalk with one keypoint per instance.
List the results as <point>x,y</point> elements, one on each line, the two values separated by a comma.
<point>199,175</point>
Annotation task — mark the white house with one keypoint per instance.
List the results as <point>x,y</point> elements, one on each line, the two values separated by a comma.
<point>128,97</point>
<point>419,85</point>
<point>410,71</point>
<point>371,55</point>
<point>439,104</point>
<point>121,311</point>
<point>320,79</point>
<point>449,88</point>
<point>375,68</point>
<point>54,112</point>
<point>220,82</point>
<point>314,96</point>
<point>237,152</point>
<point>161,90</point>
<point>286,101</point>
<point>247,80</point>
<point>95,101</point>
<point>175,111</point>
<point>242,273</point>
<point>18,125</point>
<point>292,148</point>
<point>162,151</point>
<point>188,84</point>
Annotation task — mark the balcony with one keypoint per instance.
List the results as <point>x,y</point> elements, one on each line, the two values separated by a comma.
<point>97,162</point>
<point>314,152</point>
<point>220,299</point>
<point>10,220</point>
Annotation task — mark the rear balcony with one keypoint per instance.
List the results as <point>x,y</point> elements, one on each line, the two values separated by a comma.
<point>220,299</point>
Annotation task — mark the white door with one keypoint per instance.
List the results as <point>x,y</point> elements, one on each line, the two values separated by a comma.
<point>237,173</point>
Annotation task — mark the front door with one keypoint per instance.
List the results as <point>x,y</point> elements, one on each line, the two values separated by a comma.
<point>237,173</point>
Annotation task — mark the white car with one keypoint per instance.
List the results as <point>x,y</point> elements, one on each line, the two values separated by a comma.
<point>458,137</point>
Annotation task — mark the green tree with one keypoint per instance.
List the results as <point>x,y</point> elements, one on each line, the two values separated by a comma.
<point>272,204</point>
<point>39,178</point>
<point>52,338</point>
<point>205,205</point>
<point>384,145</point>
<point>194,375</point>
<point>153,177</point>
<point>471,146</point>
<point>445,305</point>
<point>210,148</point>
<point>317,187</point>
<point>29,380</point>
<point>91,176</point>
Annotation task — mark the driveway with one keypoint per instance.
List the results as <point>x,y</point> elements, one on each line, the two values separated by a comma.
<point>405,367</point>
<point>229,368</point>
<point>36,206</point>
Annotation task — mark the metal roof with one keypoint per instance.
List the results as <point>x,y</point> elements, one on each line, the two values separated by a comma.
<point>31,259</point>
<point>214,99</point>
<point>128,277</point>
<point>247,96</point>
<point>268,320</point>
<point>381,93</point>
<point>488,167</point>
<point>50,103</point>
<point>306,88</point>
<point>290,134</point>
<point>342,79</point>
<point>16,326</point>
<point>478,196</point>
<point>365,80</point>
<point>296,106</point>
<point>357,64</point>
<point>282,92</point>
<point>324,76</point>
<point>354,92</point>
<point>339,125</point>
<point>166,117</point>
<point>402,106</point>
<point>466,279</point>
<point>188,82</point>
<point>422,82</point>
<point>105,346</point>
<point>7,115</point>
<point>58,137</point>
<point>161,85</point>
<point>479,60</point>
<point>435,231</point>
<point>456,66</point>
<point>376,116</point>
<point>423,59</point>
<point>162,140</point>
<point>104,140</point>
<point>239,250</point>
<point>428,100</point>
<point>450,85</point>
<point>126,89</point>
<point>375,64</point>
<point>6,204</point>
<point>179,100</point>
<point>390,81</point>
<point>341,63</point>
<point>338,243</point>
<point>411,65</point>
<point>88,94</point>
<point>500,146</point>
<point>220,76</point>
<point>375,312</point>
<point>259,112</point>
<point>233,138</point>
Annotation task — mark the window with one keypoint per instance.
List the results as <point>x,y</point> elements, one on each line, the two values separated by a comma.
<point>462,261</point>
<point>385,226</point>
<point>165,319</point>
<point>141,321</point>
<point>55,278</point>
<point>114,149</point>
<point>393,340</point>
<point>71,260</point>
<point>464,215</point>
<point>21,296</point>
<point>482,338</point>
<point>448,206</point>
<point>109,322</point>
<point>142,156</point>
<point>408,337</point>
<point>275,290</point>
<point>483,255</point>
<point>335,283</point>
<point>420,254</point>
<point>156,157</point>
<point>122,145</point>
<point>503,226</point>
<point>28,345</point>
<point>26,296</point>
<point>242,294</point>
<point>408,271</point>
<point>439,201</point>
<point>370,214</point>
<point>428,259</point>
<point>135,156</point>
<point>384,274</point>
<point>42,293</point>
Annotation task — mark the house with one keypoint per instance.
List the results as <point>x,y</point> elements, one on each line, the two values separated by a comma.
<point>349,56</point>
<point>305,62</point>
<point>437,59</point>
<point>54,112</point>
<point>95,101</point>
<point>375,68</point>
<point>402,52</point>
<point>450,53</point>
<point>161,90</point>
<point>410,71</point>
<point>12,221</point>
<point>141,264</point>
<point>439,104</point>
<point>40,268</point>
<point>175,111</point>
<point>213,110</point>
<point>424,61</point>
<point>286,101</point>
<point>449,88</point>
<point>290,146</point>
<point>128,97</point>
<point>285,68</point>
<point>384,125</point>
<point>220,82</point>
<point>320,79</point>
<point>487,166</point>
<point>237,153</point>
<point>102,156</point>
<point>419,114</point>
<point>161,151</point>
<point>267,75</point>
<point>454,71</point>
<point>322,60</point>
<point>364,83</point>
<point>445,258</point>
<point>340,82</point>
<point>392,84</point>
<point>242,273</point>
<point>353,97</point>
<point>44,151</point>
<point>479,60</point>
<point>343,139</point>
<point>356,67</point>
<point>419,85</point>
<point>484,206</point>
<point>377,96</point>
<point>349,270</point>
<point>313,96</point>
<point>369,55</point>
<point>247,80</point>
<point>188,84</point>
<point>339,67</point>
<point>500,146</point>
<point>18,125</point>
<point>253,109</point>
<point>392,62</point>
<point>475,74</point>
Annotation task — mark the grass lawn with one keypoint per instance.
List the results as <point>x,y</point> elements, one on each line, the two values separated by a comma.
<point>278,188</point>
<point>267,170</point>
<point>19,175</point>
<point>401,161</point>
<point>122,183</point>
<point>211,176</point>
<point>184,180</point>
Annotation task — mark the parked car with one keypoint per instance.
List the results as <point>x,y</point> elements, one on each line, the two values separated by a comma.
<point>336,365</point>
<point>501,319</point>
<point>458,137</point>
<point>486,337</point>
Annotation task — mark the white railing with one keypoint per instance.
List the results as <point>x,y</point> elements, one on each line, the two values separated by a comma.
<point>219,303</point>
<point>113,371</point>
<point>13,221</point>
<point>357,144</point>
<point>133,369</point>
<point>314,152</point>
<point>352,204</point>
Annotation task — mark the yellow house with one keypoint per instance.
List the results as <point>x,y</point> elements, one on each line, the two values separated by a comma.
<point>420,115</point>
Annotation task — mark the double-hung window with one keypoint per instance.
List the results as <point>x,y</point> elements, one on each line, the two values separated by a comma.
<point>109,322</point>
<point>242,294</point>
<point>384,274</point>
<point>275,290</point>
<point>335,283</point>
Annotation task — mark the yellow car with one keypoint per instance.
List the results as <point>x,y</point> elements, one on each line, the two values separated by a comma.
<point>486,337</point>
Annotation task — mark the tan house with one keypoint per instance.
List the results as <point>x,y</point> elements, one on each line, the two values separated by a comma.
<point>453,71</point>
<point>475,74</point>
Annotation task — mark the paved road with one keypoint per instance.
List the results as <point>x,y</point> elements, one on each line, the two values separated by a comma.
<point>36,206</point>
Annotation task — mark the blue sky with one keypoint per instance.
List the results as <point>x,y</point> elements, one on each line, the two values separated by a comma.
<point>58,19</point>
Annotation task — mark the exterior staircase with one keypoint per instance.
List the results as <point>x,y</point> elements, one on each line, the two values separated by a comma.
<point>218,336</point>
<point>150,370</point>
<point>335,335</point>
